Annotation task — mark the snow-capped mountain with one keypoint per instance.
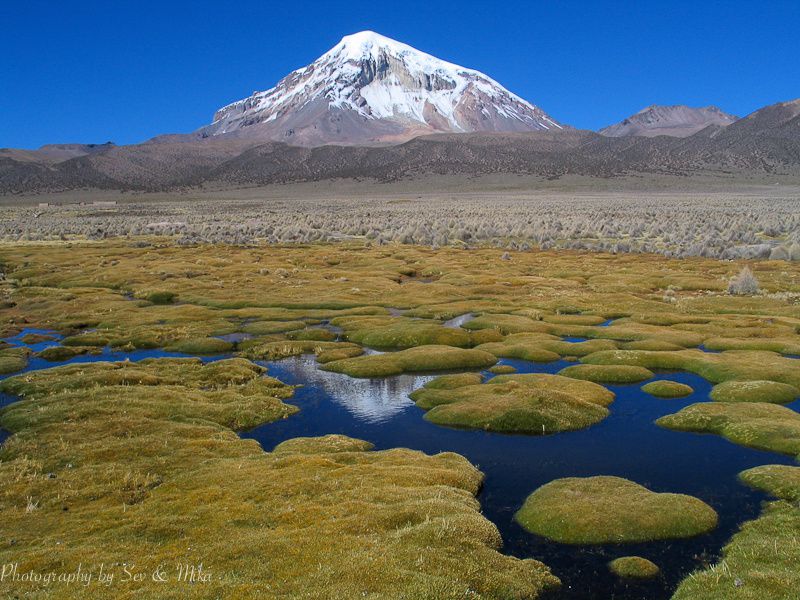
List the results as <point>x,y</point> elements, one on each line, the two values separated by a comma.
<point>369,88</point>
<point>675,121</point>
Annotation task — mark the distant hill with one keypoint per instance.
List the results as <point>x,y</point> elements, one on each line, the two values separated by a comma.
<point>676,121</point>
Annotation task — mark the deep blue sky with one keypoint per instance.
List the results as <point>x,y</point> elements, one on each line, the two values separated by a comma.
<point>125,71</point>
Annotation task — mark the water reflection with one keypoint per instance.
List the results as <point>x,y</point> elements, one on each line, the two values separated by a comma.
<point>458,321</point>
<point>369,400</point>
<point>236,337</point>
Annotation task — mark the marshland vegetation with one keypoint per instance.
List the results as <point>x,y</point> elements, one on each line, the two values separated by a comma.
<point>144,454</point>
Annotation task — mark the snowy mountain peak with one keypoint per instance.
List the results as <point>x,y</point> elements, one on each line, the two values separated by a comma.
<point>370,88</point>
<point>368,43</point>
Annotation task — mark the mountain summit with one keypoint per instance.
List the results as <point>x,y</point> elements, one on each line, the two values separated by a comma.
<point>369,88</point>
<point>675,121</point>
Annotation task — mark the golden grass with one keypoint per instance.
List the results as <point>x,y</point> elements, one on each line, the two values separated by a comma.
<point>134,463</point>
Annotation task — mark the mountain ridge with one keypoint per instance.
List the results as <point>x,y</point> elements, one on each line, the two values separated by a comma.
<point>765,142</point>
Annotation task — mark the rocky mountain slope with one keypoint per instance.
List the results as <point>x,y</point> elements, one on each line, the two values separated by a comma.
<point>369,88</point>
<point>676,121</point>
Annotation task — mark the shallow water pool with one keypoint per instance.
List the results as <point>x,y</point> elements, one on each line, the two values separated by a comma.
<point>626,444</point>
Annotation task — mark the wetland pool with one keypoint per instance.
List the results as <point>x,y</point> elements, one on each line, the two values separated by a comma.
<point>626,444</point>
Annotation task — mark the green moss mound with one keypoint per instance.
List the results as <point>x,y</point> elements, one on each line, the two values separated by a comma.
<point>782,346</point>
<point>420,359</point>
<point>667,389</point>
<point>604,510</point>
<point>607,373</point>
<point>400,332</point>
<point>505,324</point>
<point>201,346</point>
<point>634,567</point>
<point>13,360</point>
<point>585,390</point>
<point>542,347</point>
<point>780,481</point>
<point>519,351</point>
<point>535,404</point>
<point>573,318</point>
<point>738,365</point>
<point>162,297</point>
<point>323,445</point>
<point>325,351</point>
<point>755,425</point>
<point>502,369</point>
<point>267,327</point>
<point>36,338</point>
<point>90,338</point>
<point>315,334</point>
<point>754,391</point>
<point>341,353</point>
<point>61,353</point>
<point>452,381</point>
<point>655,345</point>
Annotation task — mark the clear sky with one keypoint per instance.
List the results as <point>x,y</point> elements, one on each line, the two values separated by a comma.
<point>90,71</point>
